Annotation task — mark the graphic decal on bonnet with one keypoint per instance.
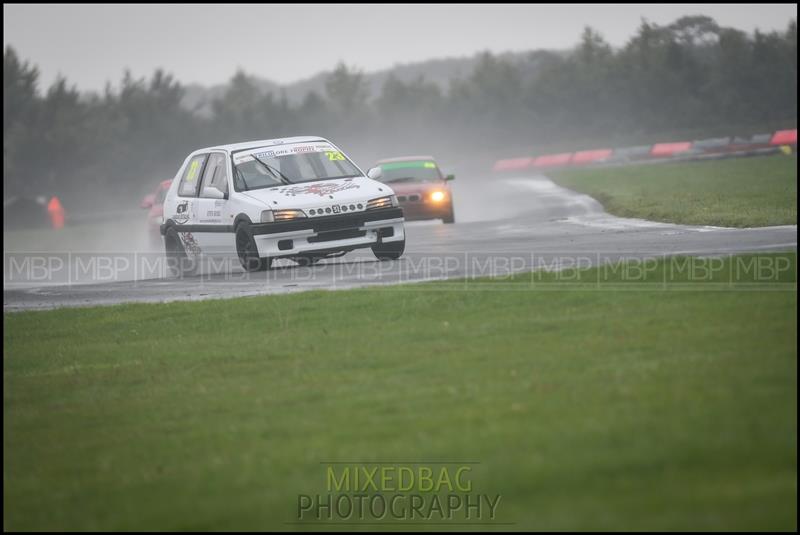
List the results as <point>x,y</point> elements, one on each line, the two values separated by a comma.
<point>319,189</point>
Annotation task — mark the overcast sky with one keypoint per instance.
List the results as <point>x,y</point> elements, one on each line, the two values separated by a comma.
<point>91,44</point>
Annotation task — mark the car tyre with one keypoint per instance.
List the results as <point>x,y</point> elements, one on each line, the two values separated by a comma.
<point>247,250</point>
<point>389,251</point>
<point>179,262</point>
<point>450,217</point>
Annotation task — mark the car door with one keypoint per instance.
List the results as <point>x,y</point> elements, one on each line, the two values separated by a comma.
<point>213,222</point>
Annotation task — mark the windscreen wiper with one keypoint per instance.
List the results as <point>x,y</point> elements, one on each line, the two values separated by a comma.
<point>275,172</point>
<point>241,177</point>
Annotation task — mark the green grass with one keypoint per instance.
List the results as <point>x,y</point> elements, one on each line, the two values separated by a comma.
<point>589,406</point>
<point>740,192</point>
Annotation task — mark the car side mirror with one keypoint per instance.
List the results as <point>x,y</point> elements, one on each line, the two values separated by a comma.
<point>214,193</point>
<point>448,178</point>
<point>147,201</point>
<point>375,173</point>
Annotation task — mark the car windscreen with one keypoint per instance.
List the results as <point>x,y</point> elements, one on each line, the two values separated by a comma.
<point>291,164</point>
<point>412,171</point>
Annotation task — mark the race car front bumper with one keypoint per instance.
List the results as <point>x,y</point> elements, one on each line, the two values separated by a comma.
<point>343,232</point>
<point>426,210</point>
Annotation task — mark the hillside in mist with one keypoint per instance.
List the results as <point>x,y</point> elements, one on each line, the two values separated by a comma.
<point>438,71</point>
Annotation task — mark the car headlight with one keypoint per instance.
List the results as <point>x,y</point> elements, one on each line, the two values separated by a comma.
<point>437,196</point>
<point>286,215</point>
<point>269,216</point>
<point>382,202</point>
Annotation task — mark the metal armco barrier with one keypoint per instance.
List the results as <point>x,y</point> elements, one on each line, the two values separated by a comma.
<point>713,148</point>
<point>665,150</point>
<point>784,137</point>
<point>553,160</point>
<point>585,157</point>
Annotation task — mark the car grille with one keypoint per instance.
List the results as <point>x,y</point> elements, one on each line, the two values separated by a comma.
<point>337,235</point>
<point>409,198</point>
<point>339,223</point>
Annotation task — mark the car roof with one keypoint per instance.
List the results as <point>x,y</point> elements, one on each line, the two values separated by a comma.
<point>406,159</point>
<point>232,147</point>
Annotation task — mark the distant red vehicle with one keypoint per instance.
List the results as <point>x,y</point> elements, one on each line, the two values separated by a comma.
<point>154,203</point>
<point>421,189</point>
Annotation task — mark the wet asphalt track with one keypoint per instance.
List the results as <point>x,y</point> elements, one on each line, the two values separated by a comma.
<point>513,225</point>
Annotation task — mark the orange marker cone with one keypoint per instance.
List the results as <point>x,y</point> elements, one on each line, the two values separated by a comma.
<point>56,213</point>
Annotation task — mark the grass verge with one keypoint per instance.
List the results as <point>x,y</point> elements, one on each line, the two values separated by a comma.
<point>738,192</point>
<point>672,405</point>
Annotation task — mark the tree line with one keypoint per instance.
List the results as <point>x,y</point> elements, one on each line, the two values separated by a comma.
<point>684,75</point>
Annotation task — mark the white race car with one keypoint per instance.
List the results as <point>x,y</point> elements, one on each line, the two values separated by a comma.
<point>298,198</point>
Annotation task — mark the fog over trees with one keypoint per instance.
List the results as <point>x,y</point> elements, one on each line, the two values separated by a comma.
<point>687,75</point>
